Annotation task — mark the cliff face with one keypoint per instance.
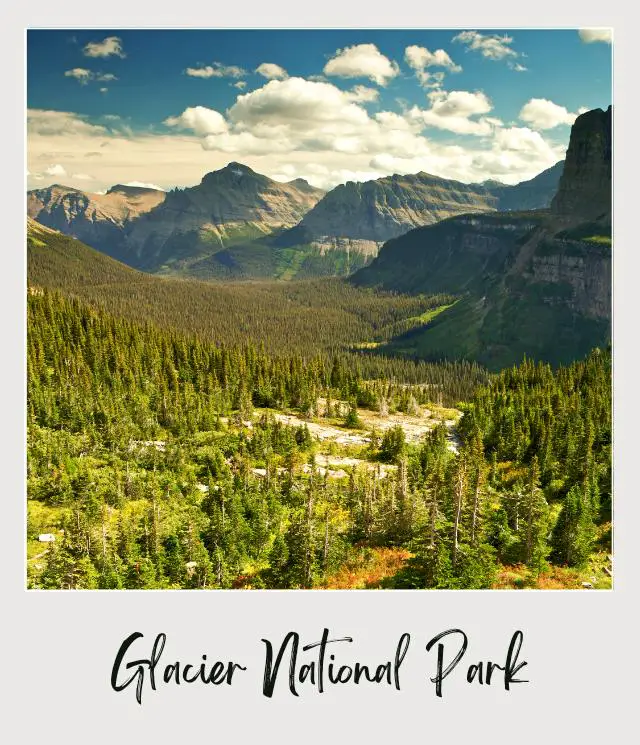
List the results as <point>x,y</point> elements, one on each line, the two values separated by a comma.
<point>581,270</point>
<point>585,186</point>
<point>532,282</point>
<point>455,255</point>
<point>99,220</point>
<point>365,215</point>
<point>382,209</point>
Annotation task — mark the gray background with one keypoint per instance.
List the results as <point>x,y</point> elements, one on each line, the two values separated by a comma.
<point>58,647</point>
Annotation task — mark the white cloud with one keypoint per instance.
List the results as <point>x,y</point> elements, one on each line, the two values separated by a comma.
<point>104,90</point>
<point>82,177</point>
<point>452,111</point>
<point>240,84</point>
<point>44,122</point>
<point>82,75</point>
<point>518,67</point>
<point>420,58</point>
<point>362,61</point>
<point>292,128</point>
<point>271,71</point>
<point>296,104</point>
<point>111,46</point>
<point>55,170</point>
<point>591,35</point>
<point>363,94</point>
<point>541,113</point>
<point>143,185</point>
<point>216,70</point>
<point>200,120</point>
<point>491,46</point>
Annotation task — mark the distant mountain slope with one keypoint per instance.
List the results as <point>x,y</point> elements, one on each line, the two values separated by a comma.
<point>97,219</point>
<point>229,206</point>
<point>155,230</point>
<point>360,217</point>
<point>532,282</point>
<point>534,194</point>
<point>240,224</point>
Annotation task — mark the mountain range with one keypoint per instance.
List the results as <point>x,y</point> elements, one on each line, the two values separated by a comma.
<point>534,283</point>
<point>360,217</point>
<point>238,223</point>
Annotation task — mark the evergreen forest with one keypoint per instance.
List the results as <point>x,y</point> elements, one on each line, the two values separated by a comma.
<point>193,435</point>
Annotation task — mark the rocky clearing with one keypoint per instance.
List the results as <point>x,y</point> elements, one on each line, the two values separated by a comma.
<point>330,435</point>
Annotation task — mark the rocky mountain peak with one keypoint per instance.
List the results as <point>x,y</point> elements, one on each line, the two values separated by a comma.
<point>585,187</point>
<point>231,172</point>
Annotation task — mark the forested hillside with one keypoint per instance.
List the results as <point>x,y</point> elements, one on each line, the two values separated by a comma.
<point>309,317</point>
<point>158,459</point>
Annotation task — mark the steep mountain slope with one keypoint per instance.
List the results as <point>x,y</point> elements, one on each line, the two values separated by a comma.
<point>307,317</point>
<point>360,217</point>
<point>239,224</point>
<point>153,230</point>
<point>97,219</point>
<point>57,260</point>
<point>229,206</point>
<point>535,283</point>
<point>585,186</point>
<point>534,194</point>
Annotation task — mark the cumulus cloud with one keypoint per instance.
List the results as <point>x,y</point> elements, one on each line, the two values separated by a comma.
<point>363,94</point>
<point>108,47</point>
<point>63,123</point>
<point>216,70</point>
<point>420,58</point>
<point>591,35</point>
<point>55,170</point>
<point>82,75</point>
<point>295,128</point>
<point>200,120</point>
<point>297,115</point>
<point>541,113</point>
<point>453,111</point>
<point>240,84</point>
<point>271,71</point>
<point>362,61</point>
<point>491,46</point>
<point>296,103</point>
<point>104,90</point>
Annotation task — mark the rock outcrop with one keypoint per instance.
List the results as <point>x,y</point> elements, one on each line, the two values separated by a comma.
<point>585,187</point>
<point>99,220</point>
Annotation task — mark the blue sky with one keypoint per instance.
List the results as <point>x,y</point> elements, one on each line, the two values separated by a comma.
<point>164,107</point>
